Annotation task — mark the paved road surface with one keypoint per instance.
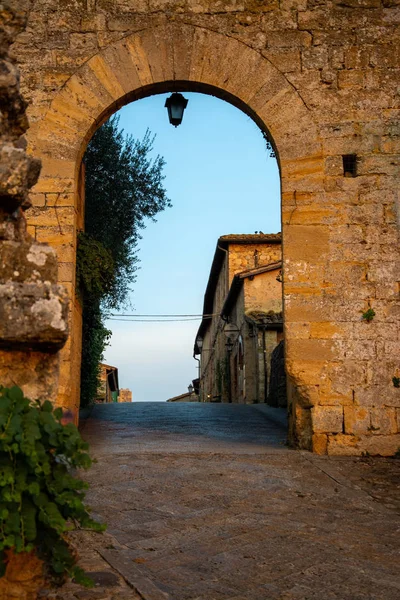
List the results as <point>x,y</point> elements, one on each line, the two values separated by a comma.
<point>205,502</point>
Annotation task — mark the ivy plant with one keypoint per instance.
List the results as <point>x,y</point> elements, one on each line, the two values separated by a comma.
<point>94,267</point>
<point>40,499</point>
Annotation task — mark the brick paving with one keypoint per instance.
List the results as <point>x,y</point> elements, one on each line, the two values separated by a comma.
<point>205,502</point>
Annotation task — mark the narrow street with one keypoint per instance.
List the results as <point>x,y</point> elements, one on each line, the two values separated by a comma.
<point>205,502</point>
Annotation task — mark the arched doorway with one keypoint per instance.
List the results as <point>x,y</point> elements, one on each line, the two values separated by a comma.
<point>192,59</point>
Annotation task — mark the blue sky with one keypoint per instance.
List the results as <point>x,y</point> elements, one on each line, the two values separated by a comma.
<point>220,180</point>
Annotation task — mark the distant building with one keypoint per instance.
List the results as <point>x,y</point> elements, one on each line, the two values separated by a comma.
<point>125,395</point>
<point>186,397</point>
<point>242,322</point>
<point>108,390</point>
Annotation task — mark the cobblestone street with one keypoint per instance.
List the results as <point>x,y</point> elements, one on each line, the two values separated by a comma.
<point>205,502</point>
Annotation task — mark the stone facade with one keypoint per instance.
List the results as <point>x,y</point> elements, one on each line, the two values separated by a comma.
<point>33,307</point>
<point>236,341</point>
<point>108,389</point>
<point>125,395</point>
<point>322,79</point>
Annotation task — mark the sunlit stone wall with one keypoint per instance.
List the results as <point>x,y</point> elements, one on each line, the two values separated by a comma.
<point>322,77</point>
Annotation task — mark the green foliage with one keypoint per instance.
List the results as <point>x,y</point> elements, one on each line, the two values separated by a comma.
<point>40,500</point>
<point>368,315</point>
<point>124,187</point>
<point>396,382</point>
<point>95,337</point>
<point>94,267</point>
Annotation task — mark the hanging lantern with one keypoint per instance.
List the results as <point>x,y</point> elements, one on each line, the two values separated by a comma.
<point>176,105</point>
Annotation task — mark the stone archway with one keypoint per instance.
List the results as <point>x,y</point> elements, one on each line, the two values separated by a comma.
<point>199,59</point>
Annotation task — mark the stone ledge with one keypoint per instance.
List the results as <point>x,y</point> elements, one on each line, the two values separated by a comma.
<point>33,316</point>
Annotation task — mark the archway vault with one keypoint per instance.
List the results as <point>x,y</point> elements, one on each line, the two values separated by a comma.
<point>192,58</point>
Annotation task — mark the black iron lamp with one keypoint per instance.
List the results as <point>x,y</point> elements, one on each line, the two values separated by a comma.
<point>190,388</point>
<point>176,105</point>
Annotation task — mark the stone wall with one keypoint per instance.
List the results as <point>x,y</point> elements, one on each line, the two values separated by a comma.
<point>33,308</point>
<point>220,375</point>
<point>251,256</point>
<point>322,78</point>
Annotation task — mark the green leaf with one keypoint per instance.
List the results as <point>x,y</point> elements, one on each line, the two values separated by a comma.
<point>39,497</point>
<point>80,577</point>
<point>16,394</point>
<point>28,517</point>
<point>34,488</point>
<point>47,406</point>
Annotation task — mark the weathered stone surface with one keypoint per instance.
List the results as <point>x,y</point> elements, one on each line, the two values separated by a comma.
<point>327,419</point>
<point>323,79</point>
<point>33,316</point>
<point>27,262</point>
<point>18,172</point>
<point>33,307</point>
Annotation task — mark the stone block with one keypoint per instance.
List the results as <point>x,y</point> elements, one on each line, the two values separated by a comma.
<point>319,443</point>
<point>356,58</point>
<point>37,199</point>
<point>343,445</point>
<point>350,79</point>
<point>311,241</point>
<point>291,39</point>
<point>303,426</point>
<point>312,19</point>
<point>60,200</point>
<point>83,41</point>
<point>312,371</point>
<point>380,445</point>
<point>314,58</point>
<point>356,420</point>
<point>351,445</point>
<point>51,216</point>
<point>327,419</point>
<point>66,272</point>
<point>367,396</point>
<point>387,55</point>
<point>310,350</point>
<point>383,420</point>
<point>325,330</point>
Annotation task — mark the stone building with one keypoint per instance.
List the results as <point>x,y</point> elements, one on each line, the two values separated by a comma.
<point>186,397</point>
<point>125,395</point>
<point>242,322</point>
<point>321,79</point>
<point>108,390</point>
